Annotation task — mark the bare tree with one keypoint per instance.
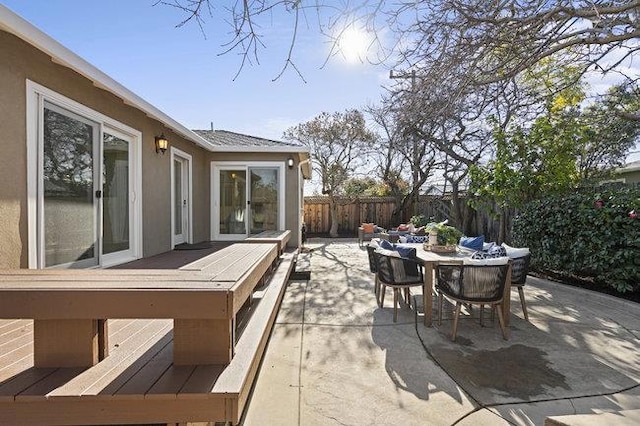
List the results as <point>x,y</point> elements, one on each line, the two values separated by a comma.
<point>401,158</point>
<point>338,143</point>
<point>496,39</point>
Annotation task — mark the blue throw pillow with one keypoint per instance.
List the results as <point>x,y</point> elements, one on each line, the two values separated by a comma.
<point>473,243</point>
<point>417,238</point>
<point>497,251</point>
<point>406,251</point>
<point>493,252</point>
<point>386,245</point>
<point>479,255</point>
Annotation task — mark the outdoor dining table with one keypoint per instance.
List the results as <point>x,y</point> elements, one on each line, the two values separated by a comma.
<point>430,260</point>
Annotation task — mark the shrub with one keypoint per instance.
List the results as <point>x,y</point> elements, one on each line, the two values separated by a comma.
<point>419,220</point>
<point>591,233</point>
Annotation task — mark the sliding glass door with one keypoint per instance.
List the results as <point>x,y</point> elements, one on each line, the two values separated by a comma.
<point>247,199</point>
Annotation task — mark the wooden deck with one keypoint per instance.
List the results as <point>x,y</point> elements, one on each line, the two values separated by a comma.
<point>137,382</point>
<point>279,237</point>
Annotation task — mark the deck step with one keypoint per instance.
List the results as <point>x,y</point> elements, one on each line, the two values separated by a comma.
<point>302,267</point>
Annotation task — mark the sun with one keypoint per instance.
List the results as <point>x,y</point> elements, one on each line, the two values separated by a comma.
<point>353,43</point>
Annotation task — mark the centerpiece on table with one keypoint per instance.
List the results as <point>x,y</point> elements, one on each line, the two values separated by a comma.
<point>442,237</point>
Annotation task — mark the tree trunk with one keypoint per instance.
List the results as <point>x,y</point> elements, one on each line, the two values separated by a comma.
<point>333,213</point>
<point>467,223</point>
<point>502,226</point>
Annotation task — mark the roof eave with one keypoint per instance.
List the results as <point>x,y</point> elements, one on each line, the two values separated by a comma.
<point>262,149</point>
<point>14,24</point>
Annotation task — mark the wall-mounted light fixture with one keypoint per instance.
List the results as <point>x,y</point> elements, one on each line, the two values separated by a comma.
<point>290,162</point>
<point>161,144</point>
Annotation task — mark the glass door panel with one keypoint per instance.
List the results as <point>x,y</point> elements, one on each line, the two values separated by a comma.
<point>69,182</point>
<point>264,199</point>
<point>180,200</point>
<point>115,194</point>
<point>233,202</point>
<point>177,206</point>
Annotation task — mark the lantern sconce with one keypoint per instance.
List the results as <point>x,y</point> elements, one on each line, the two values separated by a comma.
<point>161,144</point>
<point>290,163</point>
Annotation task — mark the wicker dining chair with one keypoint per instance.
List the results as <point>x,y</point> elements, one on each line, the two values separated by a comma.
<point>519,271</point>
<point>472,284</point>
<point>398,273</point>
<point>373,267</point>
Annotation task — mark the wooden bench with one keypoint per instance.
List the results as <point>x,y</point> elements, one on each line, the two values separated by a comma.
<point>138,382</point>
<point>202,298</point>
<point>278,237</point>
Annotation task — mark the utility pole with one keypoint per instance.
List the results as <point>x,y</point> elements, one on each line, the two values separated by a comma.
<point>415,167</point>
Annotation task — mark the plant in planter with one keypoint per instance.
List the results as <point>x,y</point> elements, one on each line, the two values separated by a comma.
<point>447,235</point>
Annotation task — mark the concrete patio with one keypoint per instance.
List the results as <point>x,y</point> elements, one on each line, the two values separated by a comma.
<point>336,358</point>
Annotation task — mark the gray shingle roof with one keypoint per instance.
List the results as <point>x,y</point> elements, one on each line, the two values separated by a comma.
<point>224,138</point>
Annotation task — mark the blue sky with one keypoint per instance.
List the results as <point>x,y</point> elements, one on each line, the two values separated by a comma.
<point>181,72</point>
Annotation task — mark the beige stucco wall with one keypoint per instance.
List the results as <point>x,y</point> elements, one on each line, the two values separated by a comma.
<point>20,61</point>
<point>631,177</point>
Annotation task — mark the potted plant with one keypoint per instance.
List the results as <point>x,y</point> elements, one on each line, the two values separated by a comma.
<point>447,236</point>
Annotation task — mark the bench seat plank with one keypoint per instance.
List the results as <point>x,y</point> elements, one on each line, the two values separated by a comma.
<point>138,386</point>
<point>120,365</point>
<point>279,237</point>
<point>104,304</point>
<point>40,389</point>
<point>169,384</point>
<point>218,260</point>
<point>27,378</point>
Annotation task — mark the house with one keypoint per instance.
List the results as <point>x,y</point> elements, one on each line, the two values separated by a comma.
<point>88,179</point>
<point>630,173</point>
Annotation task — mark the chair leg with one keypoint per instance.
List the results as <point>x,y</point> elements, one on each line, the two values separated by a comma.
<point>523,303</point>
<point>505,332</point>
<point>440,300</point>
<point>407,296</point>
<point>376,289</point>
<point>382,291</point>
<point>455,321</point>
<point>395,304</point>
<point>481,314</point>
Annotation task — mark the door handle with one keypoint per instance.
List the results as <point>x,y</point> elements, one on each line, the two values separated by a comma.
<point>98,194</point>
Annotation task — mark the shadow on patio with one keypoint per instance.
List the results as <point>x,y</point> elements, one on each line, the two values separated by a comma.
<point>336,358</point>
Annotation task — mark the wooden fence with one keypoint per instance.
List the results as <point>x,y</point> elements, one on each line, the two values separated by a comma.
<point>379,210</point>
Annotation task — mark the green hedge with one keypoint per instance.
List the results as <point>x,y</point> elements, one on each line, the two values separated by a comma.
<point>591,233</point>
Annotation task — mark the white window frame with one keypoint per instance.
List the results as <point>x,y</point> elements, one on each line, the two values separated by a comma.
<point>217,166</point>
<point>35,98</point>
<point>175,152</point>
